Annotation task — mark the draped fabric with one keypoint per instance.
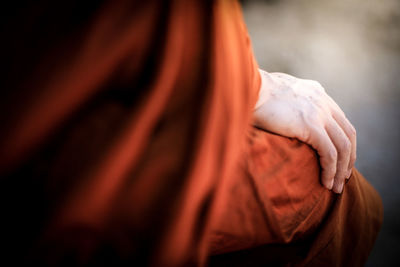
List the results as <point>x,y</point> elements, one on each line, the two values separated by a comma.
<point>123,129</point>
<point>278,214</point>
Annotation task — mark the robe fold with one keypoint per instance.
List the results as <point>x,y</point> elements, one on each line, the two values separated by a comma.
<point>126,138</point>
<point>286,218</point>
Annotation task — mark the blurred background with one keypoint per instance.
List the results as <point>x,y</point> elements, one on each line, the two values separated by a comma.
<point>352,47</point>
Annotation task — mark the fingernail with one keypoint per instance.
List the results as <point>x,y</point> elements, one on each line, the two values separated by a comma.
<point>339,188</point>
<point>348,174</point>
<point>329,185</point>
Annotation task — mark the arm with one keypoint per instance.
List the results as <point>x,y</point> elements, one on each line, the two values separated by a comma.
<point>301,109</point>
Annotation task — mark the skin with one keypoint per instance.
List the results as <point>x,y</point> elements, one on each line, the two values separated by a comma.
<point>301,109</point>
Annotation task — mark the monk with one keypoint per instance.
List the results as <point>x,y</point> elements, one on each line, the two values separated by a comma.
<point>143,133</point>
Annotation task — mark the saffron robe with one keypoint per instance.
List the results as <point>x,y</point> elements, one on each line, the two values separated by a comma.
<point>126,138</point>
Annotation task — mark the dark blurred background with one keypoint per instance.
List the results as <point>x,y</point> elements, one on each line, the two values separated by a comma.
<point>352,47</point>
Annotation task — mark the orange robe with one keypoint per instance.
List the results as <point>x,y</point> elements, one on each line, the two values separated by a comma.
<point>126,138</point>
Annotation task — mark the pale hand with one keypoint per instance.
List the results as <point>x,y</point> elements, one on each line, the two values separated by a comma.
<point>301,109</point>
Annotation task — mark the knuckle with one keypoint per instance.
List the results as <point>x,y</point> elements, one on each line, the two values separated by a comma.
<point>346,146</point>
<point>353,131</point>
<point>332,154</point>
<point>318,86</point>
<point>315,83</point>
<point>341,113</point>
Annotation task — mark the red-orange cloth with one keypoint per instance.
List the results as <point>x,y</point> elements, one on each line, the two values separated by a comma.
<point>123,123</point>
<point>277,213</point>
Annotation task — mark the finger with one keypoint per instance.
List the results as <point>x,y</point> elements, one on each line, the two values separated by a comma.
<point>321,141</point>
<point>350,132</point>
<point>348,128</point>
<point>343,148</point>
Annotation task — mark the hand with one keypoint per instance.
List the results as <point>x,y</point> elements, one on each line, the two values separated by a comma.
<point>301,109</point>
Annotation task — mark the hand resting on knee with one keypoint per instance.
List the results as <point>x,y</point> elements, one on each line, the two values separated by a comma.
<point>301,109</point>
